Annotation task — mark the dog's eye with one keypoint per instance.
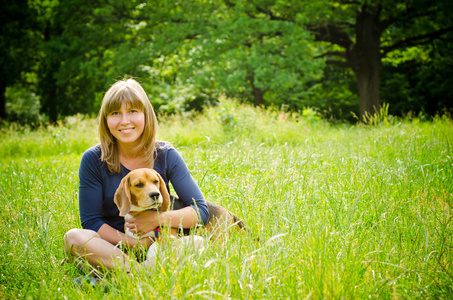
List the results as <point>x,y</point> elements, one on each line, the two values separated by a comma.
<point>156,182</point>
<point>139,185</point>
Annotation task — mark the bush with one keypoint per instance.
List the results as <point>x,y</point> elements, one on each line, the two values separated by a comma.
<point>23,106</point>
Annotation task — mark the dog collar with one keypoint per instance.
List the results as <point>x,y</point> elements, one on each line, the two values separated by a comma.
<point>156,234</point>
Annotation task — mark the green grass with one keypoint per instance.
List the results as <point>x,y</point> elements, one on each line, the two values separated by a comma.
<point>342,211</point>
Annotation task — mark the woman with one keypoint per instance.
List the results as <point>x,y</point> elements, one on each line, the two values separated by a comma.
<point>127,131</point>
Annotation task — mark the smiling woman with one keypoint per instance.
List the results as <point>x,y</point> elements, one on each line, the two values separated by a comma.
<point>125,101</point>
<point>127,130</point>
<point>127,125</point>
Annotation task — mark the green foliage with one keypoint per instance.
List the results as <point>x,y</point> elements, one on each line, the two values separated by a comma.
<point>335,95</point>
<point>341,211</point>
<point>17,41</point>
<point>252,55</point>
<point>186,54</point>
<point>359,34</point>
<point>419,83</point>
<point>23,106</point>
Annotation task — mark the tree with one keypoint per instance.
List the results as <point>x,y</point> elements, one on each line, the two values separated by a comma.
<point>419,79</point>
<point>17,44</point>
<point>256,52</point>
<point>238,48</point>
<point>259,51</point>
<point>361,33</point>
<point>87,46</point>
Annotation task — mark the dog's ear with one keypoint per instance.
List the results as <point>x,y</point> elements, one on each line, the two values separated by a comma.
<point>165,196</point>
<point>122,197</point>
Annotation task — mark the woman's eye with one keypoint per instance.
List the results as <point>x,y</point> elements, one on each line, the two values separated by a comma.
<point>114,113</point>
<point>139,185</point>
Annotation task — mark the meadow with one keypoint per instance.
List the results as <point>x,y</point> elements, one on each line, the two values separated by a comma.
<point>341,211</point>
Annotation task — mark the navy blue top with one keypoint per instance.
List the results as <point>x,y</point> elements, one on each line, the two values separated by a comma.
<point>97,186</point>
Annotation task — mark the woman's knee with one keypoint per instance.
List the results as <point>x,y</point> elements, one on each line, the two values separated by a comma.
<point>77,238</point>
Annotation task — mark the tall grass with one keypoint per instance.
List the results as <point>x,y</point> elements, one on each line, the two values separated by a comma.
<point>344,211</point>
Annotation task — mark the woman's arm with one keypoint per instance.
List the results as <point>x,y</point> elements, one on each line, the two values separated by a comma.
<point>186,217</point>
<point>90,191</point>
<point>185,185</point>
<point>114,237</point>
<point>149,220</point>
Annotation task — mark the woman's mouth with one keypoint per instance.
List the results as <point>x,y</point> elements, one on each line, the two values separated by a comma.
<point>126,130</point>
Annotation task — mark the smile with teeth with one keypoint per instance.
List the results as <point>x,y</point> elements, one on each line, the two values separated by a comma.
<point>126,130</point>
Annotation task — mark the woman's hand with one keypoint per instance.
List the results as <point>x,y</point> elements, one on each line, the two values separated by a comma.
<point>143,222</point>
<point>146,221</point>
<point>116,237</point>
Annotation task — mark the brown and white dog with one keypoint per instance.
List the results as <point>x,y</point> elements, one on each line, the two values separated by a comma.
<point>144,189</point>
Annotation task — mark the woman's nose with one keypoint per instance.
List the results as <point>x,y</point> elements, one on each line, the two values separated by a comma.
<point>124,119</point>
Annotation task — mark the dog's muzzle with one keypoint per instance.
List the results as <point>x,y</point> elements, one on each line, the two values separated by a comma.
<point>154,196</point>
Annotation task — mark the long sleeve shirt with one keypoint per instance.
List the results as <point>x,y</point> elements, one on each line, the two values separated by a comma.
<point>97,186</point>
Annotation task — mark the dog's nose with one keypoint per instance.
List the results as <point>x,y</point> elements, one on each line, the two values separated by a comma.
<point>154,195</point>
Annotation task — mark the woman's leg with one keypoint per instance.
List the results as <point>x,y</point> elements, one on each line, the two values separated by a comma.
<point>188,244</point>
<point>179,246</point>
<point>86,245</point>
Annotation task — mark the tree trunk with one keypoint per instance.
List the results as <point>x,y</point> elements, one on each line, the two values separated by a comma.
<point>49,98</point>
<point>368,84</point>
<point>363,55</point>
<point>48,84</point>
<point>365,59</point>
<point>258,94</point>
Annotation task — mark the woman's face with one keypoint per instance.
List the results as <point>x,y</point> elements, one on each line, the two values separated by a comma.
<point>126,124</point>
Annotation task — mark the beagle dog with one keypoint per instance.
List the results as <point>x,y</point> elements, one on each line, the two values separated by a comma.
<point>141,190</point>
<point>144,189</point>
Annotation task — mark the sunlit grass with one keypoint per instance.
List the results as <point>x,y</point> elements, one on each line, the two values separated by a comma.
<point>340,211</point>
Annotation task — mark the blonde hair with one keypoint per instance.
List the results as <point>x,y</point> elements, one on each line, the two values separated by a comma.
<point>131,92</point>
